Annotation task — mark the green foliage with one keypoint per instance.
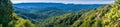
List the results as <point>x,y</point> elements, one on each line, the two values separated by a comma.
<point>19,22</point>
<point>0,25</point>
<point>61,21</point>
<point>9,19</point>
<point>107,16</point>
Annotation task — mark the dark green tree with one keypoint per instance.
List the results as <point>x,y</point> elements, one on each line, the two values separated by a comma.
<point>9,19</point>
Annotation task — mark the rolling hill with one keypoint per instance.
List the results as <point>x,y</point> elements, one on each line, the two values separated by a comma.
<point>67,7</point>
<point>106,16</point>
<point>37,12</point>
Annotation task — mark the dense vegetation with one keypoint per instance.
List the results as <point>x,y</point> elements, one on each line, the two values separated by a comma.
<point>107,16</point>
<point>39,12</point>
<point>9,19</point>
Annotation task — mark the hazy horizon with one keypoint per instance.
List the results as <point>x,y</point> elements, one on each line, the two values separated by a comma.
<point>65,1</point>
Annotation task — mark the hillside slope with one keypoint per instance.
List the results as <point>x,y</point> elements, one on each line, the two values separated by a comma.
<point>9,19</point>
<point>107,16</point>
<point>39,12</point>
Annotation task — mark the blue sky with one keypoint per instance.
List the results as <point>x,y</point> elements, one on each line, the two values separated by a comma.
<point>67,1</point>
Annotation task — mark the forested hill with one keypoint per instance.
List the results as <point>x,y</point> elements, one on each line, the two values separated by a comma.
<point>10,19</point>
<point>107,16</point>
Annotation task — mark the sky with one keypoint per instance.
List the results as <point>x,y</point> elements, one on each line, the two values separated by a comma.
<point>66,1</point>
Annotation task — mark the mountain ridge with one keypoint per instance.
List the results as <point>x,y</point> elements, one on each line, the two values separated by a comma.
<point>41,11</point>
<point>107,16</point>
<point>67,7</point>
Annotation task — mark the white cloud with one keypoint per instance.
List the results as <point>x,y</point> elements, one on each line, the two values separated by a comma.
<point>68,1</point>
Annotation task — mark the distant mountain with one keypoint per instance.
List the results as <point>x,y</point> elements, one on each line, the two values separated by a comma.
<point>68,7</point>
<point>37,12</point>
<point>40,14</point>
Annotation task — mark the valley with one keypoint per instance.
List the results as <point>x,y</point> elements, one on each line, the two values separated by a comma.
<point>38,12</point>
